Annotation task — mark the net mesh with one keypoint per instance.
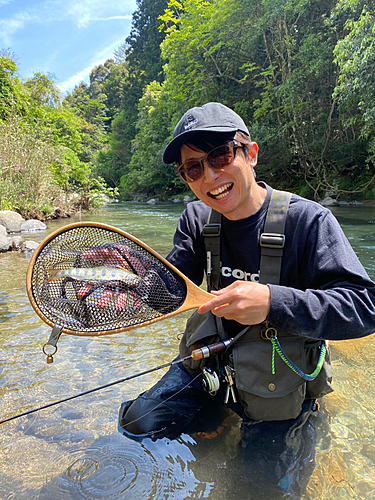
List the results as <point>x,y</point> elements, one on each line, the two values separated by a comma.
<point>94,280</point>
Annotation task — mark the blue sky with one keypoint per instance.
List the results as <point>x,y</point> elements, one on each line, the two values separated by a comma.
<point>64,37</point>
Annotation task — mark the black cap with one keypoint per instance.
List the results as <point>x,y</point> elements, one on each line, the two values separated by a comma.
<point>211,117</point>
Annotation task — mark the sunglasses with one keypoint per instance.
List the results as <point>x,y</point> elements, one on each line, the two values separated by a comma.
<point>217,158</point>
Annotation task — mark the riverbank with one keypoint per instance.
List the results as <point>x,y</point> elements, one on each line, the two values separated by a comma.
<point>13,226</point>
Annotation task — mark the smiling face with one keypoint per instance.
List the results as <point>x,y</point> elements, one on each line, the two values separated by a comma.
<point>232,190</point>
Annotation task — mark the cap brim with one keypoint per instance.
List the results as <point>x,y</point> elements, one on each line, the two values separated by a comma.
<point>172,151</point>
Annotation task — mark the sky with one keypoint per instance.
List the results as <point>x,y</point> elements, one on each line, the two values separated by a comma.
<point>65,38</point>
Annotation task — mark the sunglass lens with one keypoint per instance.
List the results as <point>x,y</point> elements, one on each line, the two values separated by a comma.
<point>220,157</point>
<point>192,171</point>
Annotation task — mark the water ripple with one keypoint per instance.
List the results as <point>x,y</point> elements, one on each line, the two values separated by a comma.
<point>117,468</point>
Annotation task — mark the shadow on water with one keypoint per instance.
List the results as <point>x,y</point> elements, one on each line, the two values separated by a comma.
<point>74,450</point>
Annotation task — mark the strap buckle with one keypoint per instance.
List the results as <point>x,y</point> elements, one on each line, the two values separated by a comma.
<point>211,229</point>
<point>272,240</point>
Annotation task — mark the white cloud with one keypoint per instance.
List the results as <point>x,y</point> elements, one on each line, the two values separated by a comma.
<point>80,13</point>
<point>86,11</point>
<point>83,75</point>
<point>74,80</point>
<point>10,26</point>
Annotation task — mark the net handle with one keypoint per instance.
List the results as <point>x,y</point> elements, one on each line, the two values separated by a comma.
<point>195,296</point>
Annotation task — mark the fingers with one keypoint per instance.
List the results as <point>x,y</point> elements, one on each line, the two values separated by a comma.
<point>245,302</point>
<point>211,305</point>
<point>221,298</point>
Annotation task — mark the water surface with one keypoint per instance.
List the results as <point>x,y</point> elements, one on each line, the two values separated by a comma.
<point>75,451</point>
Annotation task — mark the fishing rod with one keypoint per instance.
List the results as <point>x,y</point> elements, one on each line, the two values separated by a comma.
<point>196,355</point>
<point>79,269</point>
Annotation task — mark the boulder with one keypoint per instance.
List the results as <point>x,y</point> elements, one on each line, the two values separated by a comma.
<point>329,202</point>
<point>32,225</point>
<point>176,200</point>
<point>11,221</point>
<point>29,246</point>
<point>15,241</point>
<point>188,199</point>
<point>5,244</point>
<point>151,202</point>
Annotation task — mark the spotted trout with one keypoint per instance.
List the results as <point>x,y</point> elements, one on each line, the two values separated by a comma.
<point>96,274</point>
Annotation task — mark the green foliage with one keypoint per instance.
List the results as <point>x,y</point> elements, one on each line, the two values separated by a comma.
<point>299,72</point>
<point>355,55</point>
<point>276,69</point>
<point>13,96</point>
<point>139,64</point>
<point>146,172</point>
<point>44,145</point>
<point>42,90</point>
<point>26,181</point>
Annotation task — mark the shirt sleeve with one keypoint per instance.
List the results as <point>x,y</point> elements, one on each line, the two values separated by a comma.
<point>337,298</point>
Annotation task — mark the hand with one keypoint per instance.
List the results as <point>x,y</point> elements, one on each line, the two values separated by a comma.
<point>246,302</point>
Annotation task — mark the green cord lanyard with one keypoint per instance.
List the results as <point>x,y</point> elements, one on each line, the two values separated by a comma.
<point>271,334</point>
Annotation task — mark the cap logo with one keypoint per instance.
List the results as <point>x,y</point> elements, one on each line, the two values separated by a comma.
<point>190,122</point>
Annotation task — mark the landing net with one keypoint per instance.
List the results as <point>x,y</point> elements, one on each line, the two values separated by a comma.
<point>92,279</point>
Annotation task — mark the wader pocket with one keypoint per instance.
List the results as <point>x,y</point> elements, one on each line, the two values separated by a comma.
<point>267,396</point>
<point>201,330</point>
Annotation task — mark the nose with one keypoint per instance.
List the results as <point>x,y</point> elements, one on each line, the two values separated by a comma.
<point>209,174</point>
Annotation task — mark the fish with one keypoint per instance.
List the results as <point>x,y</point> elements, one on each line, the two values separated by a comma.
<point>100,273</point>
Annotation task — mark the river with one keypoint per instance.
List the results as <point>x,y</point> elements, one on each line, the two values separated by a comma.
<point>75,451</point>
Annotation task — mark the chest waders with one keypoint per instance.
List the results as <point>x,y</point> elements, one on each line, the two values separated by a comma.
<point>269,387</point>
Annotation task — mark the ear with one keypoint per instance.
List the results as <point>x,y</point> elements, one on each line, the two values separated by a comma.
<point>253,153</point>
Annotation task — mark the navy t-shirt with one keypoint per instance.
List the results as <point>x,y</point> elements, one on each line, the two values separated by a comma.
<point>324,292</point>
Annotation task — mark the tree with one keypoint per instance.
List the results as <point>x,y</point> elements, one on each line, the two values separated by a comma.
<point>355,56</point>
<point>42,90</point>
<point>273,63</point>
<point>141,52</point>
<point>146,173</point>
<point>12,94</point>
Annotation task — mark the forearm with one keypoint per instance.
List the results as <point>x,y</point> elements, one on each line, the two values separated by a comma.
<point>337,313</point>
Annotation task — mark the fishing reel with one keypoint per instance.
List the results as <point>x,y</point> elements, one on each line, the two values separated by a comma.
<point>210,381</point>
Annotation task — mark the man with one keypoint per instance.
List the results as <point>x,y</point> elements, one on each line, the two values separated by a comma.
<point>322,292</point>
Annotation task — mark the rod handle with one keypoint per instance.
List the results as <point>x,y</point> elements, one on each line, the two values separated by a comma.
<point>209,350</point>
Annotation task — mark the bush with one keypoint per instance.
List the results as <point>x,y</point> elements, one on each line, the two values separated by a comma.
<point>26,182</point>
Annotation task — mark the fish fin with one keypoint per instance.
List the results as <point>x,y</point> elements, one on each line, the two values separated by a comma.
<point>52,274</point>
<point>124,269</point>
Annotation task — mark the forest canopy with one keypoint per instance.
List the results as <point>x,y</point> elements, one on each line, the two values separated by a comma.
<point>301,73</point>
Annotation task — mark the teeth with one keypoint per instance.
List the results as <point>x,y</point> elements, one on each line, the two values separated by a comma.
<point>220,190</point>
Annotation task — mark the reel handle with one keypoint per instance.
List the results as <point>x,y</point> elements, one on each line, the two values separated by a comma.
<point>209,350</point>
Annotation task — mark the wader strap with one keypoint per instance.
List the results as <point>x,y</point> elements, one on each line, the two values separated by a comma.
<point>272,240</point>
<point>211,234</point>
